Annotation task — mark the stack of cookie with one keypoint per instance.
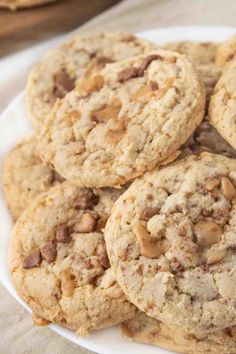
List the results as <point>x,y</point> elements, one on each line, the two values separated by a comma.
<point>108,227</point>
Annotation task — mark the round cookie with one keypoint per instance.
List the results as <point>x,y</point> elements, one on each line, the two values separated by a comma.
<point>226,51</point>
<point>58,260</point>
<point>199,53</point>
<point>171,243</point>
<point>58,71</point>
<point>222,108</point>
<point>206,138</point>
<point>145,329</point>
<point>25,176</point>
<point>18,4</point>
<point>123,121</point>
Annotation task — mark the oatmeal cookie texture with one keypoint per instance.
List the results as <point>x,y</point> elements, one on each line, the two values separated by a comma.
<point>171,243</point>
<point>25,176</point>
<point>222,109</point>
<point>199,53</point>
<point>58,71</point>
<point>123,121</point>
<point>58,260</point>
<point>17,4</point>
<point>202,55</point>
<point>226,51</point>
<point>145,329</point>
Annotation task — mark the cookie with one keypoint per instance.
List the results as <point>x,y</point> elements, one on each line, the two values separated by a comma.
<point>226,51</point>
<point>18,4</point>
<point>206,138</point>
<point>199,53</point>
<point>222,106</point>
<point>123,121</point>
<point>210,74</point>
<point>171,243</point>
<point>58,260</point>
<point>202,55</point>
<point>145,329</point>
<point>25,176</point>
<point>58,71</point>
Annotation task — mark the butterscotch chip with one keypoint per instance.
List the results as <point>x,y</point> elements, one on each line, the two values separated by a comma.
<point>103,115</point>
<point>181,260</point>
<point>71,283</point>
<point>148,247</point>
<point>228,188</point>
<point>207,233</point>
<point>216,256</point>
<point>90,84</point>
<point>78,58</point>
<point>86,223</point>
<point>144,94</point>
<point>111,145</point>
<point>211,184</point>
<point>39,321</point>
<point>67,283</point>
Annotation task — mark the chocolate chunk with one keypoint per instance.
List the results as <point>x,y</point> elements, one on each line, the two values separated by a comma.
<point>102,61</point>
<point>57,177</point>
<point>153,85</point>
<point>86,200</point>
<point>133,72</point>
<point>86,223</point>
<point>49,251</point>
<point>32,260</point>
<point>63,233</point>
<point>127,74</point>
<point>149,212</point>
<point>146,62</point>
<point>62,84</point>
<point>102,255</point>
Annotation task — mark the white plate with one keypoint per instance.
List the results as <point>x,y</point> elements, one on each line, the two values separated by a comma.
<point>14,125</point>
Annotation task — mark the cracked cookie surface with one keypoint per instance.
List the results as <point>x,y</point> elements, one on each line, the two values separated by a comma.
<point>123,121</point>
<point>25,176</point>
<point>145,329</point>
<point>58,260</point>
<point>171,243</point>
<point>222,108</point>
<point>58,71</point>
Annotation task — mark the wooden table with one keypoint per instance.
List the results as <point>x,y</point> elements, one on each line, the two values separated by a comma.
<point>23,28</point>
